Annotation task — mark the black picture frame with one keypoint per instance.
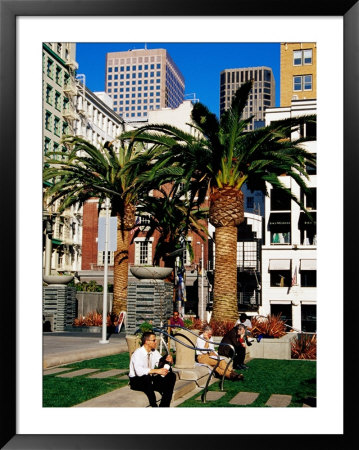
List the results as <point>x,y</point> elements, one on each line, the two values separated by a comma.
<point>9,11</point>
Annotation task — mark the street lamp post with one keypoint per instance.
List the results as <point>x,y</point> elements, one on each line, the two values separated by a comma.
<point>105,275</point>
<point>202,282</point>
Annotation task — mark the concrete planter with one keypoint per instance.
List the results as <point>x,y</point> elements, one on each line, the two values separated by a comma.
<point>185,357</point>
<point>91,329</point>
<point>271,348</point>
<point>134,342</point>
<point>150,273</point>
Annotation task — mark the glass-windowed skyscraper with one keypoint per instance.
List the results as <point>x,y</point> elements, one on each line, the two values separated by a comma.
<point>261,97</point>
<point>143,80</point>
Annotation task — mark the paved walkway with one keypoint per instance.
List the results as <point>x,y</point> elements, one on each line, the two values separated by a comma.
<point>64,348</point>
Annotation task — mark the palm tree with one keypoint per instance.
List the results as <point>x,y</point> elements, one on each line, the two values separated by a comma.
<point>169,212</point>
<point>90,172</point>
<point>218,160</point>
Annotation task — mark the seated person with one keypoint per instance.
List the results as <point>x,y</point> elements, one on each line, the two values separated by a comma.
<point>236,337</point>
<point>143,375</point>
<point>204,356</point>
<point>245,320</point>
<point>174,320</point>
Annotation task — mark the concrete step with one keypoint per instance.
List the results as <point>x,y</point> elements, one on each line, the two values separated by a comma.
<point>127,398</point>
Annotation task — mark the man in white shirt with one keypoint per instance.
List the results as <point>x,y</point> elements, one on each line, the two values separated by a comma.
<point>145,377</point>
<point>210,357</point>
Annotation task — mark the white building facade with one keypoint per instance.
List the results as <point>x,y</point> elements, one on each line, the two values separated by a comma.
<point>289,254</point>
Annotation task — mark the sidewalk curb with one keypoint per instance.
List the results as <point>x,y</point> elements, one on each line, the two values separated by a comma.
<point>80,355</point>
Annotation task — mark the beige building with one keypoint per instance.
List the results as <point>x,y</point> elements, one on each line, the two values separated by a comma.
<point>261,97</point>
<point>298,71</point>
<point>143,80</point>
<point>69,107</point>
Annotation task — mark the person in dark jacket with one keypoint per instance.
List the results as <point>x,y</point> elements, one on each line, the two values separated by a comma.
<point>236,337</point>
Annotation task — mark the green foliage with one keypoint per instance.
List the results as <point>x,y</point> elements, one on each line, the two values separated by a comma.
<point>222,153</point>
<point>91,286</point>
<point>91,172</point>
<point>145,326</point>
<point>173,216</point>
<point>188,323</point>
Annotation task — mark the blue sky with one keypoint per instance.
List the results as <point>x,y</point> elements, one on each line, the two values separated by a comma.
<point>200,64</point>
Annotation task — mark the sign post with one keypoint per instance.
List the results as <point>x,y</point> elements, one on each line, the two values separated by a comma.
<point>107,241</point>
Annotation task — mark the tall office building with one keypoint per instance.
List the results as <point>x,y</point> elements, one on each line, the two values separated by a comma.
<point>298,72</point>
<point>143,80</point>
<point>261,97</point>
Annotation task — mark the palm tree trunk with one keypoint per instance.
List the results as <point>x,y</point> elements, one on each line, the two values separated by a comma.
<point>225,276</point>
<point>125,222</point>
<point>120,272</point>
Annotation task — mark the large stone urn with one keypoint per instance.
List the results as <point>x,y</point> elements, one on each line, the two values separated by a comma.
<point>185,357</point>
<point>150,272</point>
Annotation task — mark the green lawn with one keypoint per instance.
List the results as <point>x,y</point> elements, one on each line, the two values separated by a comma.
<point>265,376</point>
<point>65,392</point>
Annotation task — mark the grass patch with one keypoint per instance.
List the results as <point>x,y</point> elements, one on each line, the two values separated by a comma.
<point>66,392</point>
<point>267,376</point>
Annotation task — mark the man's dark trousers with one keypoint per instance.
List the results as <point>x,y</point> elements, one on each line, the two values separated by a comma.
<point>151,383</point>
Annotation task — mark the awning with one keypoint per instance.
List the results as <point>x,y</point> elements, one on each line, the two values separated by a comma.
<point>308,264</point>
<point>56,241</point>
<point>277,219</point>
<point>304,220</point>
<point>279,264</point>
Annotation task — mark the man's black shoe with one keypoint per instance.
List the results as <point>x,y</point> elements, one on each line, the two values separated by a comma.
<point>244,366</point>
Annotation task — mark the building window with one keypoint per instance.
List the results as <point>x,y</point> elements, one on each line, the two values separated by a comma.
<point>309,318</point>
<point>47,145</point>
<point>58,101</point>
<point>279,200</point>
<point>285,312</point>
<point>48,120</point>
<point>58,75</point>
<point>250,202</point>
<point>49,91</point>
<point>57,126</point>
<point>302,57</point>
<point>101,258</point>
<point>308,278</point>
<point>280,272</point>
<point>302,83</point>
<point>309,200</point>
<point>50,68</point>
<point>143,250</point>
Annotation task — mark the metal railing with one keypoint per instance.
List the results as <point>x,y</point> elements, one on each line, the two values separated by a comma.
<point>194,348</point>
